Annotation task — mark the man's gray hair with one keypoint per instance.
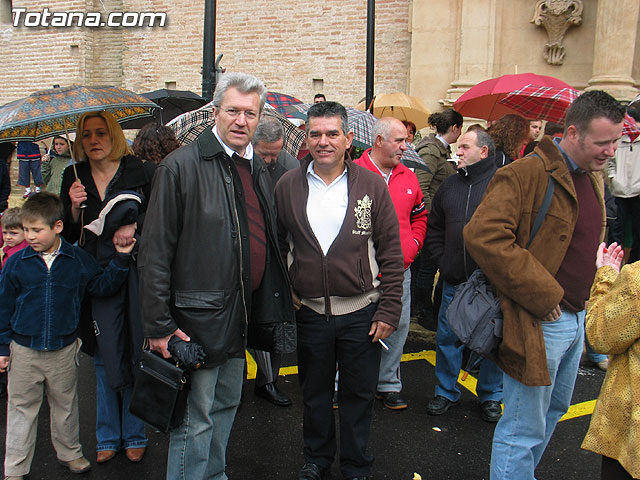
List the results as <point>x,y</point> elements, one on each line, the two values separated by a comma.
<point>482,139</point>
<point>382,127</point>
<point>243,82</point>
<point>329,109</point>
<point>269,130</point>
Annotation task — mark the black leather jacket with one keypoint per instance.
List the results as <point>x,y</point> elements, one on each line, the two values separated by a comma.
<point>194,257</point>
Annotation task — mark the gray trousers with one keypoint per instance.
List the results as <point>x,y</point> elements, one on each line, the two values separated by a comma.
<point>31,374</point>
<point>268,366</point>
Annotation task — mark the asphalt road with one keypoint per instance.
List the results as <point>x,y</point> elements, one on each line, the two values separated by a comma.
<point>266,442</point>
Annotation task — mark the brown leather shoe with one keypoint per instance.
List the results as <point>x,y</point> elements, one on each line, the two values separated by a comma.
<point>135,454</point>
<point>105,455</point>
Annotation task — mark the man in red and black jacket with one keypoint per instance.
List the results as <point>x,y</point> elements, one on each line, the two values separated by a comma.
<point>390,142</point>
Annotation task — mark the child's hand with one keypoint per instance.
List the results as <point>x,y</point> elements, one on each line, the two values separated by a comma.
<point>4,363</point>
<point>125,249</point>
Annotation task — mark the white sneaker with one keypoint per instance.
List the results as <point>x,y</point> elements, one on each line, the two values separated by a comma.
<point>37,189</point>
<point>603,365</point>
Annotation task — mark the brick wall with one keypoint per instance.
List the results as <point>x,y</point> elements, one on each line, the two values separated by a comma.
<point>287,44</point>
<point>37,58</point>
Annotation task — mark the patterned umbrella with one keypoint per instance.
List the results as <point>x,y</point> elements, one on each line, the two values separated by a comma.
<point>190,125</point>
<point>360,123</point>
<point>482,100</point>
<point>630,128</point>
<point>534,102</point>
<point>410,158</point>
<point>551,104</point>
<point>56,110</point>
<point>280,100</point>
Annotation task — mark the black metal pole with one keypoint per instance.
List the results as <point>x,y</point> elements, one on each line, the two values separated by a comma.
<point>371,38</point>
<point>209,50</point>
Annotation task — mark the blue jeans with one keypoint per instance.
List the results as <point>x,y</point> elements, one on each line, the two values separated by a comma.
<point>30,168</point>
<point>531,413</point>
<point>591,354</point>
<point>197,448</point>
<point>449,360</point>
<point>389,376</point>
<point>116,427</point>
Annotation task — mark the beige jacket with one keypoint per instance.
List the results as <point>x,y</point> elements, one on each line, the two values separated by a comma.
<point>613,327</point>
<point>624,169</point>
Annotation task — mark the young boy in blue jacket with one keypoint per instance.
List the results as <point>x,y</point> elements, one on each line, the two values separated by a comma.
<point>41,289</point>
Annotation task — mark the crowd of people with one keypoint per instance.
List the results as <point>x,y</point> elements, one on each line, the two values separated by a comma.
<point>232,243</point>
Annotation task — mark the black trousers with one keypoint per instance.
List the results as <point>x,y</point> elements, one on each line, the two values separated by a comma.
<point>612,470</point>
<point>628,208</point>
<point>321,342</point>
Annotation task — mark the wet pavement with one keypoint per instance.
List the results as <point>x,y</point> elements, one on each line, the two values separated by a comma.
<point>266,442</point>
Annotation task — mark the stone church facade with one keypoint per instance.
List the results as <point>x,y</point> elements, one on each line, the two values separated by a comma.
<point>433,49</point>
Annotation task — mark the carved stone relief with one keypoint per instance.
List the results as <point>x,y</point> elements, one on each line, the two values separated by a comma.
<point>557,16</point>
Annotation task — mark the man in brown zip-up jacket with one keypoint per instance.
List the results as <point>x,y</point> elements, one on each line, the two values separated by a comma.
<point>339,231</point>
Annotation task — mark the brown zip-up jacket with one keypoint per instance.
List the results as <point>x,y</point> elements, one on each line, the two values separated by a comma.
<point>368,244</point>
<point>496,238</point>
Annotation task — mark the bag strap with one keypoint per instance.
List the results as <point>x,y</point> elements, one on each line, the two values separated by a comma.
<point>543,210</point>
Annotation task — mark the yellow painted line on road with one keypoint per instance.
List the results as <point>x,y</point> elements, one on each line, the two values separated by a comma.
<point>575,411</point>
<point>252,368</point>
<point>579,410</point>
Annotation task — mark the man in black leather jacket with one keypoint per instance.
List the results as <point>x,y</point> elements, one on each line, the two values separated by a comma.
<point>210,270</point>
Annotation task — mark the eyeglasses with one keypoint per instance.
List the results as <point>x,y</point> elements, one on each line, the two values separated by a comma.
<point>234,113</point>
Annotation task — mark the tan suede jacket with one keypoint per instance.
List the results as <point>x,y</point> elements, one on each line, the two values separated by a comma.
<point>496,237</point>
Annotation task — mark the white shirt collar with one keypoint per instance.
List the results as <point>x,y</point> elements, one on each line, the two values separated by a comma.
<point>248,152</point>
<point>312,172</point>
<point>439,137</point>
<point>386,176</point>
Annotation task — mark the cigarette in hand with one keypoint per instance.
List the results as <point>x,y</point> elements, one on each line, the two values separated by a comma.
<point>384,345</point>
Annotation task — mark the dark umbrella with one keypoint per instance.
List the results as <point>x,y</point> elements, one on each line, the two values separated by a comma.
<point>172,103</point>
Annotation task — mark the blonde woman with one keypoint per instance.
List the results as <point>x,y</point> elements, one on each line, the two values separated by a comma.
<point>613,328</point>
<point>108,167</point>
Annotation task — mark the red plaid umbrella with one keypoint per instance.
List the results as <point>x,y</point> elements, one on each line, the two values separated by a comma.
<point>280,100</point>
<point>630,127</point>
<point>482,100</point>
<point>534,102</point>
<point>551,104</point>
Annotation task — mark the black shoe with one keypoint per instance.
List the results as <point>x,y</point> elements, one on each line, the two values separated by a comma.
<point>357,478</point>
<point>392,400</point>
<point>311,471</point>
<point>334,400</point>
<point>428,320</point>
<point>271,393</point>
<point>491,411</point>
<point>438,405</point>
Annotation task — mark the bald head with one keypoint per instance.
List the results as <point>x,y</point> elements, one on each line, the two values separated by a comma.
<point>389,142</point>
